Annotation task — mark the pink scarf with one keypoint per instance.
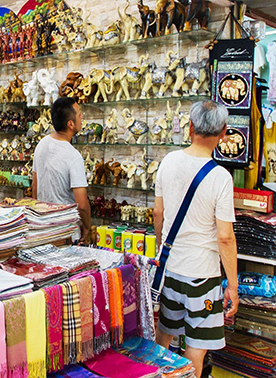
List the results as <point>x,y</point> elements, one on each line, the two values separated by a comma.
<point>101,318</point>
<point>16,337</point>
<point>53,298</point>
<point>86,313</point>
<point>3,354</point>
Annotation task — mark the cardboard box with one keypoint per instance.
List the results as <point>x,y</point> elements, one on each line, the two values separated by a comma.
<point>256,200</point>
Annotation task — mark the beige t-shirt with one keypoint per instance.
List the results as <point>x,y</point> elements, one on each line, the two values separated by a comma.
<point>195,250</point>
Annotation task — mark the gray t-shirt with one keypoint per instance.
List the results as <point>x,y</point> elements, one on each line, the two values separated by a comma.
<point>59,168</point>
<point>195,250</point>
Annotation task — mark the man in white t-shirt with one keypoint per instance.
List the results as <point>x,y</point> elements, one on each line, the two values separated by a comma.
<point>191,299</point>
<point>58,168</point>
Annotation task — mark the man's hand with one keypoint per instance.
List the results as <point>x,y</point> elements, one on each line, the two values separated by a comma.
<point>231,294</point>
<point>84,233</point>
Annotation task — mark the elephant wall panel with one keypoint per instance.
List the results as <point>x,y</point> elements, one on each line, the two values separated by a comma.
<point>233,148</point>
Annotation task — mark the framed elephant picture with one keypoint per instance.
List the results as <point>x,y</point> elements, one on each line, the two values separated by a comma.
<point>233,149</point>
<point>234,84</point>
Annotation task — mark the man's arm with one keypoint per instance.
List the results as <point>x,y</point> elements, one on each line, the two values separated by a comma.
<point>228,252</point>
<point>84,210</point>
<point>34,186</point>
<point>158,219</point>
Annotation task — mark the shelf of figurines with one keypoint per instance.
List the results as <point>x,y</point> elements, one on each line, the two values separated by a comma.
<point>144,44</point>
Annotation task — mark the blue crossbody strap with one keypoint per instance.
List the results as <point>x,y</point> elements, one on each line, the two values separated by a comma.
<point>178,221</point>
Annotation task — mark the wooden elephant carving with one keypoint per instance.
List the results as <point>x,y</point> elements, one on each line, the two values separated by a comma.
<point>173,12</point>
<point>200,9</point>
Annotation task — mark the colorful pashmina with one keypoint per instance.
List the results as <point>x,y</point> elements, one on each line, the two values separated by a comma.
<point>129,298</point>
<point>101,318</point>
<point>86,312</point>
<point>16,337</point>
<point>74,371</point>
<point>53,298</point>
<point>150,353</point>
<point>146,327</point>
<point>113,365</point>
<point>35,334</point>
<point>115,289</point>
<point>71,323</point>
<point>3,353</point>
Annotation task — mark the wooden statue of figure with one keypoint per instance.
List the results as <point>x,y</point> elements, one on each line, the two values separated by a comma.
<point>39,34</point>
<point>48,28</point>
<point>13,37</point>
<point>6,47</point>
<point>21,42</point>
<point>29,40</point>
<point>1,45</point>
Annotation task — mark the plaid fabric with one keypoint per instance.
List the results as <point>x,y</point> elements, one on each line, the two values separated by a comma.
<point>71,324</point>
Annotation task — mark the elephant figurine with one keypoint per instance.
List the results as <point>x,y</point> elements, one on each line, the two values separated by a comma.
<point>112,34</point>
<point>93,129</point>
<point>101,172</point>
<point>196,77</point>
<point>132,170</point>
<point>116,170</point>
<point>33,92</point>
<point>109,134</point>
<point>141,213</point>
<point>127,212</point>
<point>148,19</point>
<point>89,165</point>
<point>136,129</point>
<point>72,80</point>
<point>174,12</point>
<point>159,131</point>
<point>99,77</point>
<point>200,9</point>
<point>185,125</point>
<point>48,85</point>
<point>129,24</point>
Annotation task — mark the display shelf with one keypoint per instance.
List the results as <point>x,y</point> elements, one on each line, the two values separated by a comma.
<point>104,145</point>
<point>20,132</point>
<point>147,102</point>
<point>256,259</point>
<point>121,188</point>
<point>130,223</point>
<point>20,105</point>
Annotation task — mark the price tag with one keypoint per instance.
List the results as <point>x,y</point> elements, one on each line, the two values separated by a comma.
<point>176,126</point>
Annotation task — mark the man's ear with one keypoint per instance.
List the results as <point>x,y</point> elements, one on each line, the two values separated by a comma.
<point>70,124</point>
<point>223,132</point>
<point>191,129</point>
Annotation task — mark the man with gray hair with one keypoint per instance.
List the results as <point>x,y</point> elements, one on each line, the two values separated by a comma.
<point>191,299</point>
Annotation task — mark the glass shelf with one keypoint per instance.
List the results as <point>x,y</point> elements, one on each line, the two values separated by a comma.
<point>106,50</point>
<point>121,188</point>
<point>146,102</point>
<point>20,132</point>
<point>104,145</point>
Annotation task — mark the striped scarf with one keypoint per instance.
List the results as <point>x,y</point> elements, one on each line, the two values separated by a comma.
<point>115,288</point>
<point>71,324</point>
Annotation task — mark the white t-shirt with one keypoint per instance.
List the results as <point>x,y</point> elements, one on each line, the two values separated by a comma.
<point>195,250</point>
<point>59,168</point>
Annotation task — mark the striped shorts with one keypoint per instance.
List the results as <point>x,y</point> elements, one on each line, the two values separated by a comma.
<point>193,307</point>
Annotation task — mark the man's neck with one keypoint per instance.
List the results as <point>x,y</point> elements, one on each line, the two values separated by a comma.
<point>65,136</point>
<point>202,147</point>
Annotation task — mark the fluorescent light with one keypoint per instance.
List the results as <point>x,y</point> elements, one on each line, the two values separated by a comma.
<point>270,32</point>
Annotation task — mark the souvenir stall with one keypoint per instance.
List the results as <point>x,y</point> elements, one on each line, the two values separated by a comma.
<point>135,70</point>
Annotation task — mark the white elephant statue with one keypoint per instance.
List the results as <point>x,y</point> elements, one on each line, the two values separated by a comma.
<point>130,25</point>
<point>132,171</point>
<point>32,90</point>
<point>48,85</point>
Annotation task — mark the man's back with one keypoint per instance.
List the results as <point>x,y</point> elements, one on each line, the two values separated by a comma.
<point>59,168</point>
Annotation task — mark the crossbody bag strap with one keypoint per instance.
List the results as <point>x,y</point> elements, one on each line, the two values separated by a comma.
<point>179,220</point>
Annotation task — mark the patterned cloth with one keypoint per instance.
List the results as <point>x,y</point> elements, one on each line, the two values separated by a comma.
<point>3,353</point>
<point>86,310</point>
<point>15,322</point>
<point>35,334</point>
<point>146,327</point>
<point>101,317</point>
<point>53,298</point>
<point>129,298</point>
<point>115,289</point>
<point>150,353</point>
<point>74,371</point>
<point>113,365</point>
<point>71,323</point>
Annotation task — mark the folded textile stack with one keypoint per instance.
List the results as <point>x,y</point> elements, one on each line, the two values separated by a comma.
<point>256,233</point>
<point>74,259</point>
<point>11,285</point>
<point>13,227</point>
<point>48,222</point>
<point>246,354</point>
<point>41,275</point>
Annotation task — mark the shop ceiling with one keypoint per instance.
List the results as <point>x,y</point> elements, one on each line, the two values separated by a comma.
<point>264,10</point>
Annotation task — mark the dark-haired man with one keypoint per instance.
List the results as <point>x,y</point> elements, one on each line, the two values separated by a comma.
<point>58,168</point>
